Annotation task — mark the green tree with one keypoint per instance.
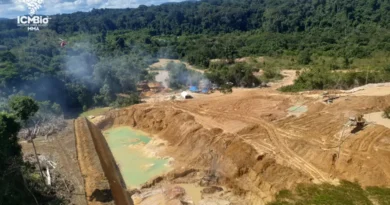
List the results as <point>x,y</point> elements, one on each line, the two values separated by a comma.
<point>239,74</point>
<point>17,186</point>
<point>120,42</point>
<point>126,101</point>
<point>8,56</point>
<point>23,107</point>
<point>304,57</point>
<point>11,184</point>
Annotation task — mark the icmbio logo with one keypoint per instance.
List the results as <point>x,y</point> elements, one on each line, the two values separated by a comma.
<point>33,22</point>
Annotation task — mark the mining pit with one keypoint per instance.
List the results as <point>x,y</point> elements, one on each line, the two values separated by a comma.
<point>241,148</point>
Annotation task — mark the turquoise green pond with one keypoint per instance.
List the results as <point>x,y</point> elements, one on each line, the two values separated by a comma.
<point>136,167</point>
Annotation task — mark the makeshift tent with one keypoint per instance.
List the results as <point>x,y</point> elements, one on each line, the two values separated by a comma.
<point>194,89</point>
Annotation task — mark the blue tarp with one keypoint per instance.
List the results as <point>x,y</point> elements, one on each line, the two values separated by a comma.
<point>205,90</point>
<point>194,89</point>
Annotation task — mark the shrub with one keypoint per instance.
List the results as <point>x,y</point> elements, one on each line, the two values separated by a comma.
<point>271,74</point>
<point>126,101</point>
<point>386,113</point>
<point>239,74</point>
<point>226,88</point>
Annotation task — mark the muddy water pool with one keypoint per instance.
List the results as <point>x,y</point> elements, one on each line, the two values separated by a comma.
<point>128,148</point>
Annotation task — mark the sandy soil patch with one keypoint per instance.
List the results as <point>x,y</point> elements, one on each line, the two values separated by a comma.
<point>377,118</point>
<point>374,91</point>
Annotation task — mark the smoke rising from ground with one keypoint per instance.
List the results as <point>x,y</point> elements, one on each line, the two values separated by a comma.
<point>181,77</point>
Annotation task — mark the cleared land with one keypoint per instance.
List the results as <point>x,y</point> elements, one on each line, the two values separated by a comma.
<point>262,148</point>
<point>258,147</point>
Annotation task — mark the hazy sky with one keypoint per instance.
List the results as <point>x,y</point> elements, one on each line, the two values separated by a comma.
<point>13,8</point>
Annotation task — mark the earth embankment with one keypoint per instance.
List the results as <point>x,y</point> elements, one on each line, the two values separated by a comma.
<point>102,179</point>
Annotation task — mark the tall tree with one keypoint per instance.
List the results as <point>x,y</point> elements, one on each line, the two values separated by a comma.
<point>23,107</point>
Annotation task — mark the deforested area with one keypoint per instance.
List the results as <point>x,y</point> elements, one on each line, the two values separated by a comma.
<point>226,102</point>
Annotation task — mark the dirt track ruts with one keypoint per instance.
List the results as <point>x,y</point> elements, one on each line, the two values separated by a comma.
<point>288,156</point>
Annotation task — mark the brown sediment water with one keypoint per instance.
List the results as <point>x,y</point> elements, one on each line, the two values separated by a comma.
<point>193,191</point>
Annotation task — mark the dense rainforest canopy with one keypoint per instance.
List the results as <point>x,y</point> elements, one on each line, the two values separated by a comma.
<point>109,50</point>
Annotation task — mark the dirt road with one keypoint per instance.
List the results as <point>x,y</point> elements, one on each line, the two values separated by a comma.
<point>289,77</point>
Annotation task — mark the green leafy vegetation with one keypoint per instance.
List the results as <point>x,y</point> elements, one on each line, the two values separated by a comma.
<point>24,107</point>
<point>124,101</point>
<point>271,74</point>
<point>380,195</point>
<point>386,113</point>
<point>77,78</point>
<point>18,182</point>
<point>347,193</point>
<point>109,49</point>
<point>238,74</point>
<point>318,78</point>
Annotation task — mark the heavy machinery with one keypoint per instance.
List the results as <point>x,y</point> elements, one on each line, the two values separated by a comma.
<point>358,122</point>
<point>328,99</point>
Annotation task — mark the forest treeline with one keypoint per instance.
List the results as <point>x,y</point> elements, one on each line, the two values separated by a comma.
<point>109,50</point>
<point>224,16</point>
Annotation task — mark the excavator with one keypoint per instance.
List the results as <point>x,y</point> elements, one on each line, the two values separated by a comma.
<point>358,122</point>
<point>328,99</point>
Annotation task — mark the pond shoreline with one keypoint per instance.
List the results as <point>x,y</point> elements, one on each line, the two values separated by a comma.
<point>137,155</point>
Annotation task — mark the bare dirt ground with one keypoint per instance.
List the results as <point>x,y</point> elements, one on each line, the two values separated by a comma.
<point>261,149</point>
<point>62,150</point>
<point>306,143</point>
<point>289,77</point>
<point>380,89</point>
<point>376,117</point>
